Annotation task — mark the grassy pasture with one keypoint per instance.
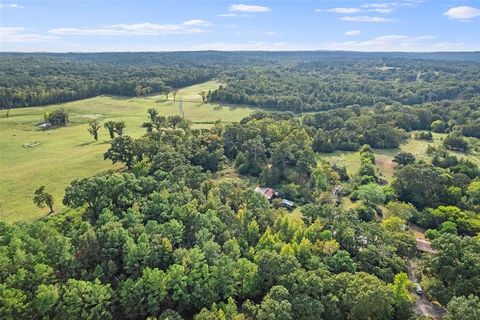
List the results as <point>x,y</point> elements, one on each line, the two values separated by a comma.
<point>31,157</point>
<point>384,157</point>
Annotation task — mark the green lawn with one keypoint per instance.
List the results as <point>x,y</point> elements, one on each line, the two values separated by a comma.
<point>384,157</point>
<point>68,153</point>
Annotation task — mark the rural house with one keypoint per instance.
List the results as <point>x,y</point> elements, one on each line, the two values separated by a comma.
<point>268,193</point>
<point>424,246</point>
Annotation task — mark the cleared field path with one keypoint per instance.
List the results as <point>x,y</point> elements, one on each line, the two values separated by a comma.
<point>31,157</point>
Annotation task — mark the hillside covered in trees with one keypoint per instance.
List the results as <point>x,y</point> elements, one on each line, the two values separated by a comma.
<point>334,83</point>
<point>180,230</point>
<point>28,81</point>
<point>168,238</point>
<point>294,81</point>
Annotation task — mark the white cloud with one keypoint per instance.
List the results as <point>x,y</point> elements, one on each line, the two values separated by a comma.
<point>383,43</point>
<point>139,29</point>
<point>245,46</point>
<point>10,5</point>
<point>464,13</point>
<point>224,46</point>
<point>18,34</point>
<point>267,33</point>
<point>378,7</point>
<point>248,8</point>
<point>340,10</point>
<point>398,43</point>
<point>381,10</point>
<point>353,33</point>
<point>365,19</point>
<point>234,15</point>
<point>387,7</point>
<point>197,22</point>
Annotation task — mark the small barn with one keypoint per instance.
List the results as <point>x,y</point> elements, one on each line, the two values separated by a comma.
<point>425,246</point>
<point>268,193</point>
<point>287,203</point>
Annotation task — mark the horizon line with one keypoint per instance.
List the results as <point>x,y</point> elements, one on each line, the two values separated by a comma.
<point>265,51</point>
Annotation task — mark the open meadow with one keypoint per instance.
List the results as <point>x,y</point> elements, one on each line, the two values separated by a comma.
<point>31,157</point>
<point>384,157</point>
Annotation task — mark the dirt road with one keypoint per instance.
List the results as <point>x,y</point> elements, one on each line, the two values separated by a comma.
<point>423,306</point>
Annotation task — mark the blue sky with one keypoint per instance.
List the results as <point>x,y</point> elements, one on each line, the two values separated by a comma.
<point>121,25</point>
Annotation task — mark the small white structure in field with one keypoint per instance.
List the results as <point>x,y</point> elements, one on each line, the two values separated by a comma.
<point>288,203</point>
<point>45,125</point>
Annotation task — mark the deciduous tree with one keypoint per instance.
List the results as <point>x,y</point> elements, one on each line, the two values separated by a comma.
<point>42,198</point>
<point>93,127</point>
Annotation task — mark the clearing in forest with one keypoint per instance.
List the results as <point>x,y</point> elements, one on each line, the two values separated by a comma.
<point>384,157</point>
<point>31,157</point>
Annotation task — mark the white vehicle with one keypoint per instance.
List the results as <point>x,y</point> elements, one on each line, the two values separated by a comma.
<point>418,289</point>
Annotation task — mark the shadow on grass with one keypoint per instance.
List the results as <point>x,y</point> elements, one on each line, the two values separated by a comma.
<point>387,152</point>
<point>85,144</point>
<point>93,142</point>
<point>231,107</point>
<point>120,98</point>
<point>49,214</point>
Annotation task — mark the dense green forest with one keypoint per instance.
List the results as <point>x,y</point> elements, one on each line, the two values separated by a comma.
<point>37,81</point>
<point>302,81</point>
<point>333,83</point>
<point>180,232</point>
<point>167,239</point>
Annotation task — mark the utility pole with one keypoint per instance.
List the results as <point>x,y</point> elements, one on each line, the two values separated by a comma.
<point>180,108</point>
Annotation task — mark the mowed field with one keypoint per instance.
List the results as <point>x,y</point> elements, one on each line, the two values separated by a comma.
<point>384,157</point>
<point>31,157</point>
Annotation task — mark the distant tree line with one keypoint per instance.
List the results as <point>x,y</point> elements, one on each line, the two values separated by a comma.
<point>333,84</point>
<point>38,81</point>
<point>295,82</point>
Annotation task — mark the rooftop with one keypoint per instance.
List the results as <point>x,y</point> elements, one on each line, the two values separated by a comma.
<point>425,246</point>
